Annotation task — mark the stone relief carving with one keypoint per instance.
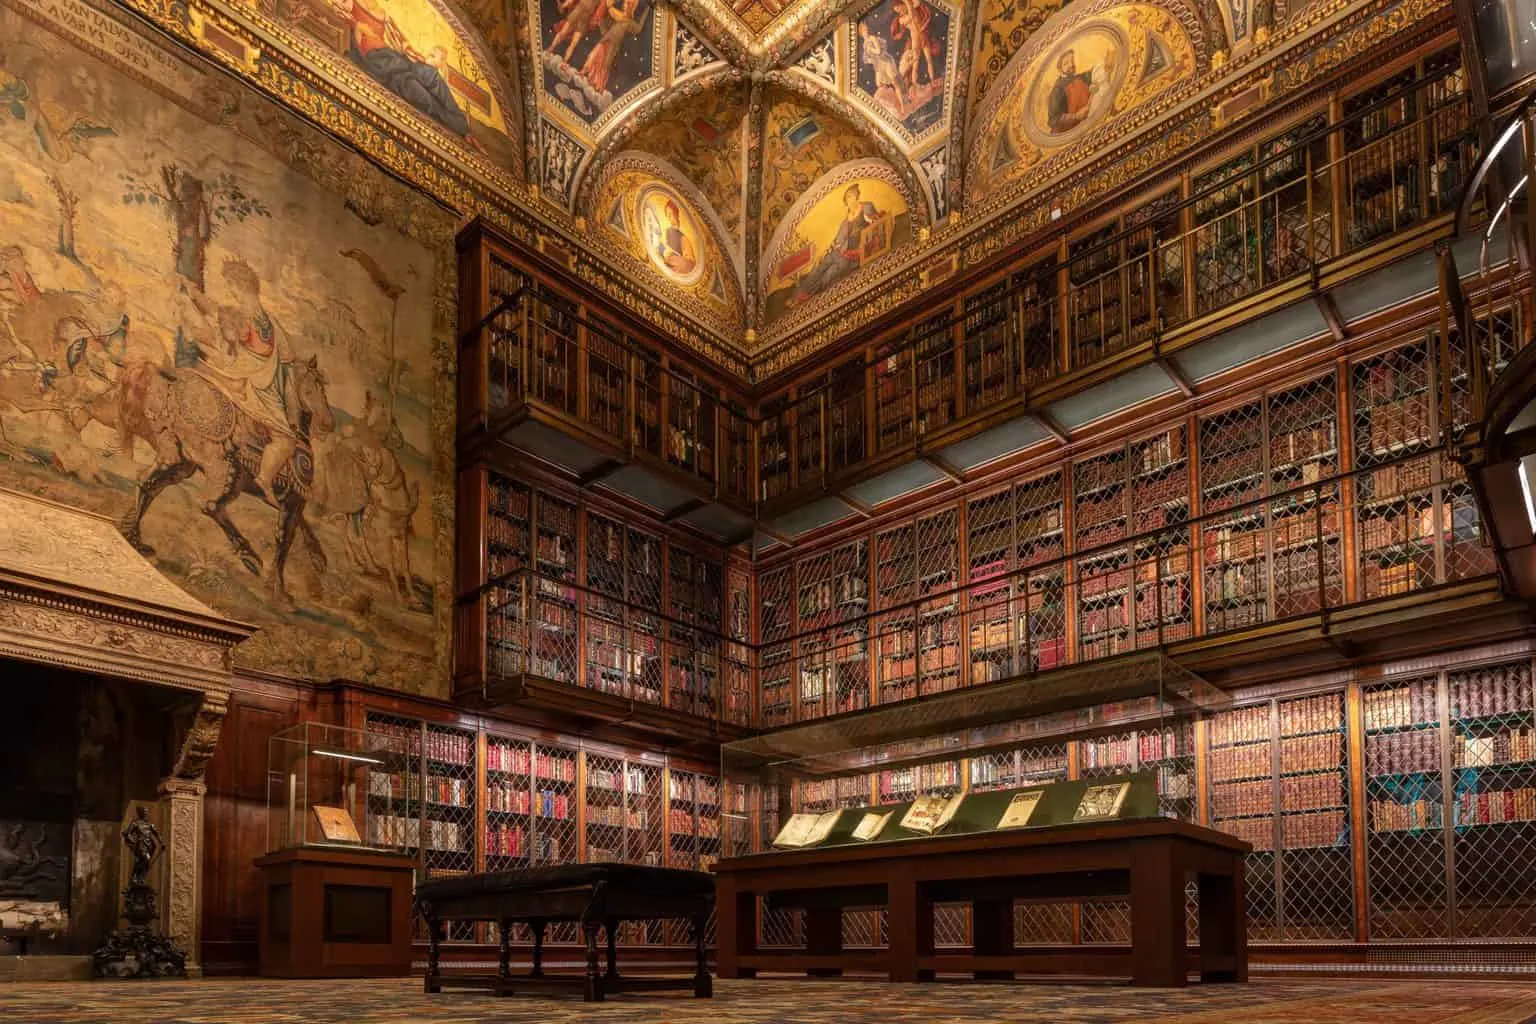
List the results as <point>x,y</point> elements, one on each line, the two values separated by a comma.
<point>820,61</point>
<point>689,52</point>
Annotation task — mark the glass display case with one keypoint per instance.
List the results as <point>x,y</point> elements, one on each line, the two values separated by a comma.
<point>328,785</point>
<point>966,761</point>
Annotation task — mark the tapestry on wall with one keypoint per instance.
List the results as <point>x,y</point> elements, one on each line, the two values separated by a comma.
<point>229,334</point>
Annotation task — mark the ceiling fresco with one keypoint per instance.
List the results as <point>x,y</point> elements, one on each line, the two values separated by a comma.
<point>768,172</point>
<point>704,138</point>
<point>1002,29</point>
<point>415,53</point>
<point>850,216</point>
<point>667,225</point>
<point>755,104</point>
<point>1078,74</point>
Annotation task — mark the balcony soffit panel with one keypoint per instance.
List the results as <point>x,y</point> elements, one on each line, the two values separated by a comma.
<point>998,442</point>
<point>1123,392</point>
<point>901,481</point>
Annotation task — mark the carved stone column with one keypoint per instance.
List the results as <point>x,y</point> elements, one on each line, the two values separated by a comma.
<point>181,803</point>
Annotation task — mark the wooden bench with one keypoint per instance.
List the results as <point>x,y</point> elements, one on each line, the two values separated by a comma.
<point>595,896</point>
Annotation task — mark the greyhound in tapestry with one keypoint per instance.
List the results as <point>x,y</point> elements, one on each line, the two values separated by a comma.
<point>193,426</point>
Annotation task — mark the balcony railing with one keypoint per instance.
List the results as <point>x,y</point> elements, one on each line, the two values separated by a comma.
<point>537,625</point>
<point>1396,528</point>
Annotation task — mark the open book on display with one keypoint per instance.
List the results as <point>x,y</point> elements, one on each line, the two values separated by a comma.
<point>806,829</point>
<point>871,825</point>
<point>931,812</point>
<point>1102,801</point>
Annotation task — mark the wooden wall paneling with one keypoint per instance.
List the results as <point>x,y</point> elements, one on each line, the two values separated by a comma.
<point>235,827</point>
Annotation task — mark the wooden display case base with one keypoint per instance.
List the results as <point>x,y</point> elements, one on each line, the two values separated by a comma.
<point>335,913</point>
<point>1148,860</point>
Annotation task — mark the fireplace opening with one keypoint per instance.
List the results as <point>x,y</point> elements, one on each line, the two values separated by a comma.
<point>75,751</point>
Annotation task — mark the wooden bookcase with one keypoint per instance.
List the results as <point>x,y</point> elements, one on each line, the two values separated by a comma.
<point>1125,280</point>
<point>575,592</point>
<point>1374,169</point>
<point>492,798</point>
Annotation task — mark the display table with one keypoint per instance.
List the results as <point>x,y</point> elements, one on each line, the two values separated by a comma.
<point>1148,860</point>
<point>333,912</point>
<point>596,896</point>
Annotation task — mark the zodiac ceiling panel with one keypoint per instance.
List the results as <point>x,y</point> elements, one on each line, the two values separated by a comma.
<point>900,52</point>
<point>594,56</point>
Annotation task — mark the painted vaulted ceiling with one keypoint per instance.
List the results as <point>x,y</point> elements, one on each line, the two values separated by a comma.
<point>755,163</point>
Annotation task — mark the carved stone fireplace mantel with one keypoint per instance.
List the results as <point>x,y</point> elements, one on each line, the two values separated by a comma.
<point>74,594</point>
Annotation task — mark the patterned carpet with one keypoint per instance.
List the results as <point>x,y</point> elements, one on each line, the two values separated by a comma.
<point>252,1001</point>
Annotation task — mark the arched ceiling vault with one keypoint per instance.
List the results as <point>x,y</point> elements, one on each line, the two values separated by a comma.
<point>743,108</point>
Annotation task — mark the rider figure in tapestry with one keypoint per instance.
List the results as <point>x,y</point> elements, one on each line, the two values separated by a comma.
<point>254,358</point>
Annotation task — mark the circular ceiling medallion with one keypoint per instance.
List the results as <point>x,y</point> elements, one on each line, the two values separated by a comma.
<point>1076,84</point>
<point>670,234</point>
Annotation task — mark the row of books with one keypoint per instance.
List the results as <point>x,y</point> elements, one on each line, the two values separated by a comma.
<point>395,830</point>
<point>395,785</point>
<point>1496,692</point>
<point>452,792</point>
<point>1496,807</point>
<point>631,779</point>
<point>618,817</point>
<point>1399,578</point>
<point>550,803</point>
<point>1406,816</point>
<point>1324,752</point>
<point>1242,762</point>
<point>1303,793</point>
<point>1394,753</point>
<point>684,823</point>
<point>922,778</point>
<point>506,757</point>
<point>1399,422</point>
<point>1507,746</point>
<point>1401,477</point>
<point>1414,525</point>
<point>403,735</point>
<point>1399,707</point>
<point>502,796</point>
<point>508,499</point>
<point>1313,829</point>
<point>555,767</point>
